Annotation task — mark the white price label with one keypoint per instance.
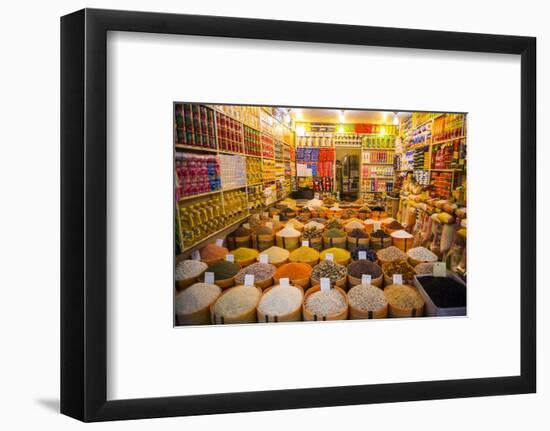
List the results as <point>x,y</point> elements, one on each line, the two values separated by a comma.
<point>219,242</point>
<point>377,225</point>
<point>196,255</point>
<point>329,256</point>
<point>397,279</point>
<point>269,225</point>
<point>264,258</point>
<point>325,284</point>
<point>439,269</point>
<point>265,214</point>
<point>305,243</point>
<point>362,255</point>
<point>284,282</point>
<point>316,196</point>
<point>366,279</point>
<point>249,280</point>
<point>276,217</point>
<point>209,277</point>
<point>246,225</point>
<point>230,258</point>
<point>256,216</point>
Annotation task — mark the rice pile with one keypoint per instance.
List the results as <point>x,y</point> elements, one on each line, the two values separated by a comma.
<point>236,301</point>
<point>280,300</point>
<point>323,303</point>
<point>189,269</point>
<point>367,298</point>
<point>196,297</point>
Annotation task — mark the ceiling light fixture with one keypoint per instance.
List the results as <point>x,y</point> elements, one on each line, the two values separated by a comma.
<point>395,119</point>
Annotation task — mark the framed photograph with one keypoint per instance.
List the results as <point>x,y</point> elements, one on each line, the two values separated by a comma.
<point>262,215</point>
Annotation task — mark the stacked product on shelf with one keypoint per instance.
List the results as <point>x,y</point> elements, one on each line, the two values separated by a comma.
<point>230,133</point>
<point>194,126</point>
<point>196,174</point>
<point>233,171</point>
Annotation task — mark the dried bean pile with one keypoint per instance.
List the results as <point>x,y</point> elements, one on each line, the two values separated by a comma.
<point>329,269</point>
<point>260,271</point>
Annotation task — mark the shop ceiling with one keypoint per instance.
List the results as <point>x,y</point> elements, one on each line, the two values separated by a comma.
<point>312,115</point>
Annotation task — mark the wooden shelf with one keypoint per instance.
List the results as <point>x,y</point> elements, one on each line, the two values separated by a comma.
<point>199,195</point>
<point>193,148</point>
<point>448,140</point>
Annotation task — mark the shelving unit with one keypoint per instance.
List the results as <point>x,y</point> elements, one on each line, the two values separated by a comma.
<point>197,198</point>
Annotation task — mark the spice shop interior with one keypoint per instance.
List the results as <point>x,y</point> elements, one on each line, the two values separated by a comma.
<point>307,214</point>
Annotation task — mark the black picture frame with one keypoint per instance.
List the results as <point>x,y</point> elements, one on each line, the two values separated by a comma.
<point>84,214</point>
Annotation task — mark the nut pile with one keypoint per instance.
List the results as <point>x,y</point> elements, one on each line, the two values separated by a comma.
<point>328,269</point>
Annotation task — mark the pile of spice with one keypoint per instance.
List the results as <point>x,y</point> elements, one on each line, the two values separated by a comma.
<point>424,268</point>
<point>401,234</point>
<point>196,297</point>
<point>312,224</point>
<point>422,254</point>
<point>379,234</point>
<point>367,298</point>
<point>339,254</point>
<point>403,296</point>
<point>236,301</point>
<point>445,292</point>
<point>310,233</point>
<point>275,254</point>
<point>304,254</point>
<point>328,269</point>
<point>368,221</point>
<point>319,220</point>
<point>394,225</point>
<point>364,210</point>
<point>391,254</point>
<point>240,232</point>
<point>295,224</point>
<point>335,233</point>
<point>288,231</point>
<point>325,303</point>
<point>358,233</point>
<point>370,254</point>
<point>260,271</point>
<point>224,269</point>
<point>213,252</point>
<point>264,230</point>
<point>354,224</point>
<point>398,267</point>
<point>348,213</point>
<point>189,269</point>
<point>243,254</point>
<point>280,300</point>
<point>293,271</point>
<point>333,224</point>
<point>359,267</point>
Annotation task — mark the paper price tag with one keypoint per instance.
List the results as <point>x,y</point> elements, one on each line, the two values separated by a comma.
<point>269,225</point>
<point>329,256</point>
<point>284,282</point>
<point>209,277</point>
<point>249,280</point>
<point>305,243</point>
<point>366,279</point>
<point>325,284</point>
<point>246,225</point>
<point>256,216</point>
<point>439,269</point>
<point>219,242</point>
<point>377,225</point>
<point>196,255</point>
<point>264,258</point>
<point>265,214</point>
<point>362,255</point>
<point>276,217</point>
<point>230,258</point>
<point>397,279</point>
<point>316,196</point>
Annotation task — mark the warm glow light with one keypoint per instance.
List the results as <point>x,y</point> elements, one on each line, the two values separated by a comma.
<point>341,116</point>
<point>341,129</point>
<point>300,130</point>
<point>298,115</point>
<point>382,130</point>
<point>395,119</point>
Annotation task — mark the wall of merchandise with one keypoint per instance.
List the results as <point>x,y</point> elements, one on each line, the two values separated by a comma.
<point>230,161</point>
